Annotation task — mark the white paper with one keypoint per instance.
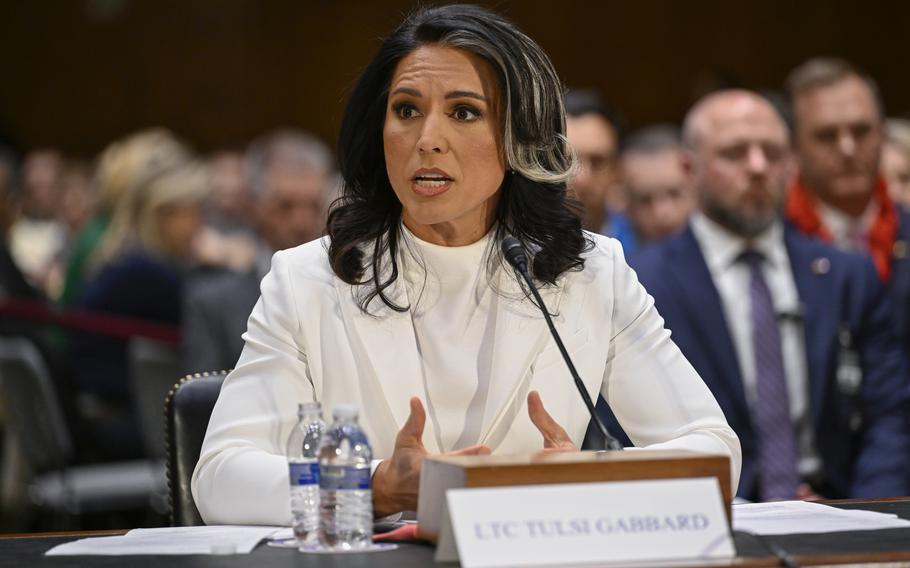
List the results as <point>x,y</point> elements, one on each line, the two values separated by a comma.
<point>802,517</point>
<point>170,540</point>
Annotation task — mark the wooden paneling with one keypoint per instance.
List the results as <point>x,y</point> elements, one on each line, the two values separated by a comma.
<point>78,73</point>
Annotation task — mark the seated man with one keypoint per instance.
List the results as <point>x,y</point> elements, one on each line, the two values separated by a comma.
<point>795,338</point>
<point>290,175</point>
<point>658,202</point>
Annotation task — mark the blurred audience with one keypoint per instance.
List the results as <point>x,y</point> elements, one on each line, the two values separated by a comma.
<point>137,271</point>
<point>229,237</point>
<point>37,236</point>
<point>13,283</point>
<point>593,133</point>
<point>290,174</point>
<point>794,338</point>
<point>658,202</point>
<point>118,168</point>
<point>839,194</point>
<point>895,164</point>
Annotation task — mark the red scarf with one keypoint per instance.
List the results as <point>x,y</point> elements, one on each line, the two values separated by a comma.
<point>800,210</point>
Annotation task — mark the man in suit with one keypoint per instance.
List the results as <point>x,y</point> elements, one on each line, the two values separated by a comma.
<point>593,132</point>
<point>793,337</point>
<point>839,194</point>
<point>290,174</point>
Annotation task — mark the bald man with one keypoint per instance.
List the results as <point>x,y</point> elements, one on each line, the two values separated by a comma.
<point>793,337</point>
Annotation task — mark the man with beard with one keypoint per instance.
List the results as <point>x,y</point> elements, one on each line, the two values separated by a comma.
<point>793,337</point>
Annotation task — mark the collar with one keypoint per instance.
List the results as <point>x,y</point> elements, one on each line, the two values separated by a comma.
<point>721,247</point>
<point>845,229</point>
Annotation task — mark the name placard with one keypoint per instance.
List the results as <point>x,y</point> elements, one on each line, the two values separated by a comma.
<point>620,521</point>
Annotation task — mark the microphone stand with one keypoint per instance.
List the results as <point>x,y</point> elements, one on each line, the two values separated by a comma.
<point>516,257</point>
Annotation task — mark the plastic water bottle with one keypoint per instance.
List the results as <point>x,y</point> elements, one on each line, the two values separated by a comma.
<point>303,467</point>
<point>346,501</point>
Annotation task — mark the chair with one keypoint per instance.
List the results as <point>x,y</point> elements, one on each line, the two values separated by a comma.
<point>187,410</point>
<point>152,367</point>
<point>36,424</point>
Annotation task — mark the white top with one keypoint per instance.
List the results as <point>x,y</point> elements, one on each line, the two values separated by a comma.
<point>453,314</point>
<point>308,339</point>
<point>721,249</point>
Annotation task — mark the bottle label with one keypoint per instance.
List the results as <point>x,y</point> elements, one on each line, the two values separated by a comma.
<point>304,473</point>
<point>340,477</point>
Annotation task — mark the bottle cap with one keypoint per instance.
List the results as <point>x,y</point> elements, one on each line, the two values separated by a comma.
<point>309,407</point>
<point>345,410</point>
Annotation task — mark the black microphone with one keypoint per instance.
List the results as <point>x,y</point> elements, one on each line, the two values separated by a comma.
<point>516,257</point>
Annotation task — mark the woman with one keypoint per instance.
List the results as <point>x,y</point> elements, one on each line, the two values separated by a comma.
<point>139,271</point>
<point>452,138</point>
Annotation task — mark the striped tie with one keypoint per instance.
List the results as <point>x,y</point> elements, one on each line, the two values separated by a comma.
<point>777,454</point>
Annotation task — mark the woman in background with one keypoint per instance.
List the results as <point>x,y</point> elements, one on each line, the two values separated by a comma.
<point>139,269</point>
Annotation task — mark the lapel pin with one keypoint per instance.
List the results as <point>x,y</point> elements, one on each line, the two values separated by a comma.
<point>899,250</point>
<point>821,265</point>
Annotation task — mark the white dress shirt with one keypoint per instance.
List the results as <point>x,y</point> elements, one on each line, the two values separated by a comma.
<point>849,233</point>
<point>721,250</point>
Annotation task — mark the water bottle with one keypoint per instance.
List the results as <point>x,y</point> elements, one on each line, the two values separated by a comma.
<point>303,467</point>
<point>346,501</point>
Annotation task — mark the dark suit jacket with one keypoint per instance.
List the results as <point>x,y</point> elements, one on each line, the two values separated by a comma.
<point>899,284</point>
<point>860,459</point>
<point>216,308</point>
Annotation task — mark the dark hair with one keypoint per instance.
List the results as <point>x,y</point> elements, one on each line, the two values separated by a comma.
<point>580,102</point>
<point>825,71</point>
<point>533,206</point>
<point>653,139</point>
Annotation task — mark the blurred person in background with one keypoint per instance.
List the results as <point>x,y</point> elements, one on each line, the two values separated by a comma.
<point>290,173</point>
<point>839,194</point>
<point>658,201</point>
<point>895,164</point>
<point>593,133</point>
<point>76,207</point>
<point>139,270</point>
<point>229,237</point>
<point>777,324</point>
<point>13,283</point>
<point>37,236</point>
<point>120,165</point>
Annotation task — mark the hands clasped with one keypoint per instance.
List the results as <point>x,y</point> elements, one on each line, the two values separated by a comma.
<point>397,479</point>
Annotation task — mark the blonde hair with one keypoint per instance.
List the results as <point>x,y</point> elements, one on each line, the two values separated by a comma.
<point>135,221</point>
<point>129,160</point>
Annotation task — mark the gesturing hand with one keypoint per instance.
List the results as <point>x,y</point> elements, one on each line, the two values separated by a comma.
<point>555,438</point>
<point>397,479</point>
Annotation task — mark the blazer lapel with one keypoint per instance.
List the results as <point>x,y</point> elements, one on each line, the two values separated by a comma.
<point>705,313</point>
<point>520,334</point>
<point>820,312</point>
<point>388,360</point>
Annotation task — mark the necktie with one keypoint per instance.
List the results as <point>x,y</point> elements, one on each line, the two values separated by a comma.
<point>777,453</point>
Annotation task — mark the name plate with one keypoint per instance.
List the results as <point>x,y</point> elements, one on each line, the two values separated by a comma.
<point>611,522</point>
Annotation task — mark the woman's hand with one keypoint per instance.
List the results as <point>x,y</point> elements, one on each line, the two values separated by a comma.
<point>397,479</point>
<point>555,438</point>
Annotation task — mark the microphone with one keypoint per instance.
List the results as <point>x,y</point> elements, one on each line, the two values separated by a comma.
<point>517,258</point>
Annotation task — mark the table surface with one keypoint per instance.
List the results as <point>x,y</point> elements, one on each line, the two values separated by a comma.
<point>889,545</point>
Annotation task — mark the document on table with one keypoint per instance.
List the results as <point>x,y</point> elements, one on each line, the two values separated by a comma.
<point>802,517</point>
<point>171,540</point>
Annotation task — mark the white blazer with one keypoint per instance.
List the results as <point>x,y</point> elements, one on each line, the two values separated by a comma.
<point>307,339</point>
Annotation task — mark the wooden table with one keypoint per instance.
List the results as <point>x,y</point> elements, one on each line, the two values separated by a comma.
<point>891,545</point>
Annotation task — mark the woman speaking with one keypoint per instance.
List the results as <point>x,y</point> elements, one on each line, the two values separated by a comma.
<point>453,138</point>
